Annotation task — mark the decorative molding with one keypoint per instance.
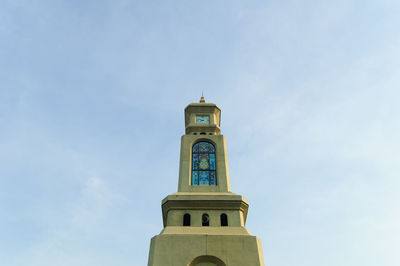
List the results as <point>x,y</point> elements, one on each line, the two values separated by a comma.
<point>196,204</point>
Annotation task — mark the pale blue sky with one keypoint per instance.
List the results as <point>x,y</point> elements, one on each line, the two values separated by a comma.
<point>91,113</point>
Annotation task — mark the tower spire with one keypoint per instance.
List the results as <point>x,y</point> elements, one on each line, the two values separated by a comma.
<point>202,100</point>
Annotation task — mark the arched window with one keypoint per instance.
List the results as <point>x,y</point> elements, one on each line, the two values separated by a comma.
<point>205,220</point>
<point>186,219</point>
<point>224,219</point>
<point>203,164</point>
<point>206,260</point>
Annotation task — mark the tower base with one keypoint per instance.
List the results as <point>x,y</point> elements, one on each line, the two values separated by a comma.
<point>240,249</point>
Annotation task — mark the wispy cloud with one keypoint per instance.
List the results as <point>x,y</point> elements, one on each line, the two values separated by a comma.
<point>91,114</point>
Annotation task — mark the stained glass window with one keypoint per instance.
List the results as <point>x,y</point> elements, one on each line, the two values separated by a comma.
<point>203,164</point>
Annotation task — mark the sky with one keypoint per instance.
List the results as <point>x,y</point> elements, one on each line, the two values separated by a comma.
<point>92,95</point>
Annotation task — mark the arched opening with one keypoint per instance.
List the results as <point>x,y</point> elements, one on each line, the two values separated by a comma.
<point>205,220</point>
<point>224,219</point>
<point>206,260</point>
<point>203,164</point>
<point>186,219</point>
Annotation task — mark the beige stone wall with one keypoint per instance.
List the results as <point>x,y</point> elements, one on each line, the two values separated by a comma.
<point>181,250</point>
<point>209,109</point>
<point>215,203</point>
<point>175,217</point>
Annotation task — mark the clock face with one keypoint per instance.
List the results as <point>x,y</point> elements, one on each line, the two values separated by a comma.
<point>202,119</point>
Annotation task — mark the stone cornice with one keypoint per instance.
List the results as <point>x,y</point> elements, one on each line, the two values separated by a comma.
<point>209,201</point>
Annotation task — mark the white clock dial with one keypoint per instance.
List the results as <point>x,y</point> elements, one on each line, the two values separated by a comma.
<point>202,119</point>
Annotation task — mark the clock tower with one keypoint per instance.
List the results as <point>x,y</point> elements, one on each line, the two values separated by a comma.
<point>204,222</point>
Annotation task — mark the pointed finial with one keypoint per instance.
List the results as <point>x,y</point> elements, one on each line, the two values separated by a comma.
<point>202,100</point>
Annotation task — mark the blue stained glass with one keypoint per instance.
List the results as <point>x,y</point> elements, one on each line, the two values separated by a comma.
<point>196,148</point>
<point>212,161</point>
<point>211,148</point>
<point>195,161</point>
<point>195,178</point>
<point>204,164</point>
<point>203,147</point>
<point>212,179</point>
<point>204,178</point>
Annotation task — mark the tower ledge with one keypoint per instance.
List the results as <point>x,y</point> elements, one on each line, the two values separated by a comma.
<point>192,230</point>
<point>199,201</point>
